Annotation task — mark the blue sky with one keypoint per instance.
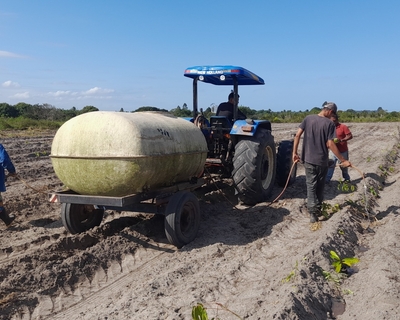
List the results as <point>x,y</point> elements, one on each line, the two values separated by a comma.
<point>128,54</point>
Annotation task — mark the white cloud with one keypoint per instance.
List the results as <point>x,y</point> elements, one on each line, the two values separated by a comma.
<point>93,93</point>
<point>22,95</point>
<point>97,90</point>
<point>7,54</point>
<point>59,93</point>
<point>10,84</point>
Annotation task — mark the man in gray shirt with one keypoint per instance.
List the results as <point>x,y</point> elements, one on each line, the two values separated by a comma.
<point>319,132</point>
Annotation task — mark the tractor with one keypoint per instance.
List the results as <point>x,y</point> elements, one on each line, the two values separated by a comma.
<point>243,150</point>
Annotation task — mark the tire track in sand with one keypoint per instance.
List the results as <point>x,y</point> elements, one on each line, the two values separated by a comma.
<point>71,303</point>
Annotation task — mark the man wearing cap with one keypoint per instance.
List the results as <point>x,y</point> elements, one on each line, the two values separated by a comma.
<point>343,134</point>
<point>319,133</point>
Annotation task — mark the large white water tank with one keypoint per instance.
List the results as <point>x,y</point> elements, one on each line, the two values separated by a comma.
<point>117,153</point>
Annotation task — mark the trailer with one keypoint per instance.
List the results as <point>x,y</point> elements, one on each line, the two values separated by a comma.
<point>177,203</point>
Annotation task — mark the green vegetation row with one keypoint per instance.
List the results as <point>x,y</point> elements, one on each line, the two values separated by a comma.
<point>24,116</point>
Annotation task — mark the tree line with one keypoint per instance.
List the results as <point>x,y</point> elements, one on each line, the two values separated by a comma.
<point>49,112</point>
<point>40,111</point>
<point>289,116</point>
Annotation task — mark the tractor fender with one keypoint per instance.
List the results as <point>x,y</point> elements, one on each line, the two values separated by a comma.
<point>249,127</point>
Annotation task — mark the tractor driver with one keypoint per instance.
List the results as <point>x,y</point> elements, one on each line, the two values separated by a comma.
<point>226,108</point>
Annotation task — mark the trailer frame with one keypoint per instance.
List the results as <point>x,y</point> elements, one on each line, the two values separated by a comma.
<point>177,203</point>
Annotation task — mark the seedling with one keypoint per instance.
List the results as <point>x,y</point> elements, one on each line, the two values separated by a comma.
<point>347,292</point>
<point>39,154</point>
<point>292,273</point>
<point>346,186</point>
<point>331,277</point>
<point>384,172</point>
<point>353,204</point>
<point>372,191</point>
<point>328,209</point>
<point>199,312</point>
<point>340,265</point>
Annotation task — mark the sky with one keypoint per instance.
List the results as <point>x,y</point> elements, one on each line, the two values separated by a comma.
<point>129,54</point>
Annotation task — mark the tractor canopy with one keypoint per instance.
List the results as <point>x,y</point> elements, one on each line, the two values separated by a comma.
<point>223,75</point>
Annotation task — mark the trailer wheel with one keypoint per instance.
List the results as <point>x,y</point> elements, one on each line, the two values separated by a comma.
<point>182,218</point>
<point>284,163</point>
<point>254,167</point>
<point>78,218</point>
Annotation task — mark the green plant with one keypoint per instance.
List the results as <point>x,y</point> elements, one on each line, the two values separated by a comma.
<point>199,312</point>
<point>328,209</point>
<point>292,273</point>
<point>346,186</point>
<point>352,203</point>
<point>339,264</point>
<point>329,277</point>
<point>38,154</point>
<point>372,191</point>
<point>347,291</point>
<point>368,159</point>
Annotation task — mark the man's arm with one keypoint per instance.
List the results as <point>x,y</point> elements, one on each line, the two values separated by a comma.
<point>348,135</point>
<point>296,142</point>
<point>332,146</point>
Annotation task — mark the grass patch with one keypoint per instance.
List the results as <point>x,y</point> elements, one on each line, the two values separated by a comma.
<point>28,124</point>
<point>24,127</point>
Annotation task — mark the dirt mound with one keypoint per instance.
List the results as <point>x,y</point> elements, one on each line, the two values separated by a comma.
<point>261,262</point>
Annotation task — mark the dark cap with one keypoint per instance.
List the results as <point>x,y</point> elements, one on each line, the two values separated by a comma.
<point>331,106</point>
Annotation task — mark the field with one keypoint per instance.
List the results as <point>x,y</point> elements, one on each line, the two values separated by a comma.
<point>261,262</point>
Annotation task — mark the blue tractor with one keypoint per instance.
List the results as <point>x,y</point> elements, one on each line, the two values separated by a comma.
<point>241,149</point>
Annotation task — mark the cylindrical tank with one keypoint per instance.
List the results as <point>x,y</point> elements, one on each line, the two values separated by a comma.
<point>117,153</point>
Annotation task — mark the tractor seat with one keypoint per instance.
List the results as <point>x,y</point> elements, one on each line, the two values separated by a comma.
<point>220,121</point>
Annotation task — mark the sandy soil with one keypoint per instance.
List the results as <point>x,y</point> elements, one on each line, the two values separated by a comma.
<point>263,262</point>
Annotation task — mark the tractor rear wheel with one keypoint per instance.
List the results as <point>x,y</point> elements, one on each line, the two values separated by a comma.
<point>254,165</point>
<point>284,163</point>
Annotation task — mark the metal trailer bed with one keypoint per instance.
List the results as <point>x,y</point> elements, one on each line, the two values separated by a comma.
<point>177,203</point>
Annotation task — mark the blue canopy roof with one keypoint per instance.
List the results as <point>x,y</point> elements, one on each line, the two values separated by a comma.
<point>223,75</point>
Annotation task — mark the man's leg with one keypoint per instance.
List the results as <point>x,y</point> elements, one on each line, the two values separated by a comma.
<point>8,219</point>
<point>311,183</point>
<point>321,177</point>
<point>345,171</point>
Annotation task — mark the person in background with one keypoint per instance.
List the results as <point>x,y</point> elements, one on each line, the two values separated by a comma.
<point>6,164</point>
<point>319,132</point>
<point>343,134</point>
<point>226,108</point>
